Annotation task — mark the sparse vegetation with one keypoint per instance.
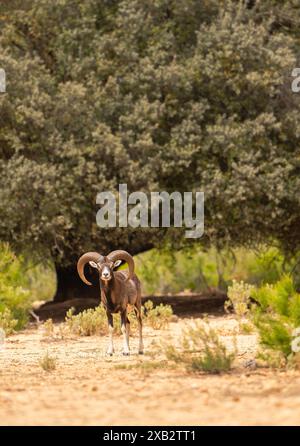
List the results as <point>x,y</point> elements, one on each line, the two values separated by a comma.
<point>201,350</point>
<point>144,366</point>
<point>239,298</point>
<point>275,315</point>
<point>48,328</point>
<point>271,358</point>
<point>94,321</point>
<point>239,294</point>
<point>48,363</point>
<point>157,317</point>
<point>246,327</point>
<point>7,322</point>
<point>88,322</point>
<point>52,332</point>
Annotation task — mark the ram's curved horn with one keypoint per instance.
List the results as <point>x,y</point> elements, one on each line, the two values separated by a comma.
<point>85,258</point>
<point>123,255</point>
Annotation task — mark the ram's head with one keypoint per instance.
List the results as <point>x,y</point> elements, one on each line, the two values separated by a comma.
<point>105,264</point>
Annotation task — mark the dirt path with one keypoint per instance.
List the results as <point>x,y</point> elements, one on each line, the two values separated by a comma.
<point>87,388</point>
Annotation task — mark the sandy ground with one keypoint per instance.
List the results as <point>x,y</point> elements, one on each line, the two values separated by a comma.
<point>88,388</point>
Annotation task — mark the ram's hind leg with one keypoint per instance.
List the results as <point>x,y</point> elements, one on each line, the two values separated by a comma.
<point>125,325</point>
<point>138,313</point>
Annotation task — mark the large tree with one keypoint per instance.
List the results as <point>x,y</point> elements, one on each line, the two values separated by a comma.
<point>161,95</point>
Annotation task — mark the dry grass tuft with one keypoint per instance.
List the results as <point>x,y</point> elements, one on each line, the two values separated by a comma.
<point>48,363</point>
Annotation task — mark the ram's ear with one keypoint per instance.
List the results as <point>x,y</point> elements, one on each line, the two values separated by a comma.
<point>117,263</point>
<point>93,264</point>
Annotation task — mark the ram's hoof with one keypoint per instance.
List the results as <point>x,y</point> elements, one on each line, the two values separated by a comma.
<point>126,354</point>
<point>109,353</point>
<point>141,352</point>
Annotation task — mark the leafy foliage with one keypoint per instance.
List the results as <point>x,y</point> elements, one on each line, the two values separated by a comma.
<point>277,314</point>
<point>94,321</point>
<point>196,270</point>
<point>160,95</point>
<point>48,328</point>
<point>14,297</point>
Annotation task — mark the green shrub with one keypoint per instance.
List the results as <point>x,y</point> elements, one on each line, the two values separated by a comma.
<point>277,315</point>
<point>145,367</point>
<point>201,350</point>
<point>157,317</point>
<point>14,297</point>
<point>239,296</point>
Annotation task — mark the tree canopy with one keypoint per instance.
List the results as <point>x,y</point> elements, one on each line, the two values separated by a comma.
<point>161,95</point>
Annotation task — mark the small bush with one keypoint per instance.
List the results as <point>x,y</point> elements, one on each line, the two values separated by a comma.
<point>48,328</point>
<point>88,322</point>
<point>271,358</point>
<point>48,363</point>
<point>277,315</point>
<point>7,322</point>
<point>157,317</point>
<point>239,297</point>
<point>14,297</point>
<point>246,328</point>
<point>202,351</point>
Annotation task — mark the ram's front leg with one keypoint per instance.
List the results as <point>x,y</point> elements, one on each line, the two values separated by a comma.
<point>110,348</point>
<point>125,331</point>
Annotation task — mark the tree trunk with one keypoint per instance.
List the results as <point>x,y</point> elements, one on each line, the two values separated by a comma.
<point>70,286</point>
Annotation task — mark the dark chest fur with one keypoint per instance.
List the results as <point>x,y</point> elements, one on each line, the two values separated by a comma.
<point>107,299</point>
